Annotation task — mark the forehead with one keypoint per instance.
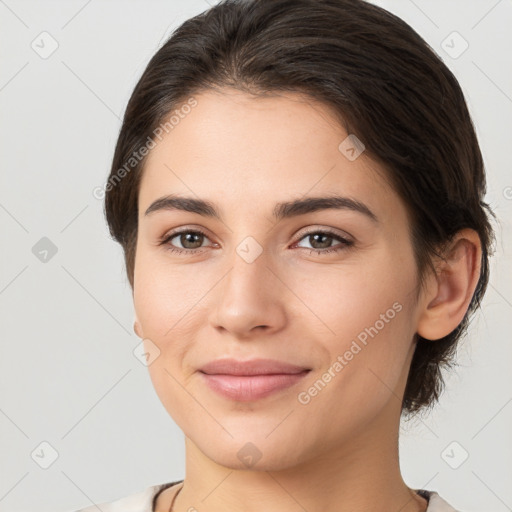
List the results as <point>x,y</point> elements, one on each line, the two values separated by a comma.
<point>245,150</point>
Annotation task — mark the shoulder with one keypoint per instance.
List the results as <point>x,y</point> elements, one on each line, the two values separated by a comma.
<point>435,502</point>
<point>141,501</point>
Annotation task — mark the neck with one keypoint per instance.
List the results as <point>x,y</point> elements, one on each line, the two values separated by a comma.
<point>362,474</point>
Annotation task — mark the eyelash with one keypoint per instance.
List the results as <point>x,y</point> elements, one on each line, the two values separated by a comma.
<point>345,244</point>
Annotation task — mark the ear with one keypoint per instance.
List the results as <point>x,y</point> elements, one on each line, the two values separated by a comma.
<point>451,289</point>
<point>137,327</point>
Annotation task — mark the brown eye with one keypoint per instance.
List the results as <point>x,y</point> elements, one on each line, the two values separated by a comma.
<point>321,242</point>
<point>190,241</point>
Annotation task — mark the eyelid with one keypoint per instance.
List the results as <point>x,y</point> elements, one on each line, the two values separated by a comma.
<point>331,231</point>
<point>344,242</point>
<point>169,235</point>
<point>301,234</point>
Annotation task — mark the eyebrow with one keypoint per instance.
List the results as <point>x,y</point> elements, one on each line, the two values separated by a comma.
<point>281,210</point>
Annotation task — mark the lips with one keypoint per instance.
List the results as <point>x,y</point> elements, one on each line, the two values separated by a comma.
<point>246,381</point>
<point>251,367</point>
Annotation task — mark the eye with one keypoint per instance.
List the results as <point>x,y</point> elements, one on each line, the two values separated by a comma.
<point>191,240</point>
<point>322,240</point>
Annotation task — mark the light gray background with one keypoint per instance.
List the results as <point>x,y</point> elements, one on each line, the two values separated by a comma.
<point>68,373</point>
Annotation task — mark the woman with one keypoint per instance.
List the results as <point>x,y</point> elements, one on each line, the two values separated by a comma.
<point>298,190</point>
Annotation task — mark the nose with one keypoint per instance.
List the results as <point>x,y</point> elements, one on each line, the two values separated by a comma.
<point>250,298</point>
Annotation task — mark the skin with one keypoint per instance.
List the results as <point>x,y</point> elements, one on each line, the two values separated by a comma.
<point>339,452</point>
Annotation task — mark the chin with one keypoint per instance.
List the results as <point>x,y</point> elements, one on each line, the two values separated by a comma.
<point>248,455</point>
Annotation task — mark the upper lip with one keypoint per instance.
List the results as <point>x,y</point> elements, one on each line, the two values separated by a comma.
<point>250,367</point>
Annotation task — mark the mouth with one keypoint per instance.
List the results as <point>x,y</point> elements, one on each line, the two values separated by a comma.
<point>247,388</point>
<point>251,367</point>
<point>250,380</point>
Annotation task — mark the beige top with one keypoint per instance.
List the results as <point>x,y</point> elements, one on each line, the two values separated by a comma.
<point>144,501</point>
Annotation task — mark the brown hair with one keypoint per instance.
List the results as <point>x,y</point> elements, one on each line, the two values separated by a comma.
<point>380,78</point>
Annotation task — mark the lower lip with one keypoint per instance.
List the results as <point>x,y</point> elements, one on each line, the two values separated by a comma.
<point>251,387</point>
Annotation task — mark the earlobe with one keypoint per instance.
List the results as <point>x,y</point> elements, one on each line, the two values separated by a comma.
<point>452,288</point>
<point>137,328</point>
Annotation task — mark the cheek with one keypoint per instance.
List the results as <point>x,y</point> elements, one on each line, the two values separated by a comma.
<point>349,299</point>
<point>364,317</point>
<point>165,295</point>
<point>365,361</point>
<point>169,302</point>
<point>164,302</point>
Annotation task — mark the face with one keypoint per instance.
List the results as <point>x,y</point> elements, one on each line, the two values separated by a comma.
<point>327,289</point>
